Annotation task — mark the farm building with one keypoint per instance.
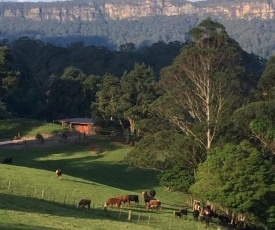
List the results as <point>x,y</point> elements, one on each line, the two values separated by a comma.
<point>82,125</point>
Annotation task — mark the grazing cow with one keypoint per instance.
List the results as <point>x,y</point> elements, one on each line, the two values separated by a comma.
<point>152,193</point>
<point>133,198</point>
<point>205,216</point>
<point>154,204</point>
<point>84,202</point>
<point>180,213</point>
<point>146,197</point>
<point>196,214</point>
<point>7,160</point>
<point>184,212</point>
<point>124,199</point>
<point>113,201</point>
<point>58,173</point>
<point>177,214</point>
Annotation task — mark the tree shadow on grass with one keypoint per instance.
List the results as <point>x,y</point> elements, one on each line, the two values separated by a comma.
<point>89,167</point>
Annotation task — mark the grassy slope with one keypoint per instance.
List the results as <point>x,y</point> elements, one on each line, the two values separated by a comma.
<point>11,127</point>
<point>87,174</point>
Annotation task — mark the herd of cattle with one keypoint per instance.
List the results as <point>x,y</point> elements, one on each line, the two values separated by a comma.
<point>150,201</point>
<point>202,214</point>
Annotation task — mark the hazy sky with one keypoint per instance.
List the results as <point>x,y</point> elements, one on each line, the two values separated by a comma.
<point>60,0</point>
<point>63,0</point>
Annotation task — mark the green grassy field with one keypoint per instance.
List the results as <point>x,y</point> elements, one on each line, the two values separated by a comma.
<point>31,197</point>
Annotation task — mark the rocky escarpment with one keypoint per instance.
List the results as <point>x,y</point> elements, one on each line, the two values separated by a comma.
<point>119,9</point>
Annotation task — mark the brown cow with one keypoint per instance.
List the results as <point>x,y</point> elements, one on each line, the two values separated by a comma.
<point>113,201</point>
<point>58,173</point>
<point>84,202</point>
<point>154,204</point>
<point>124,199</point>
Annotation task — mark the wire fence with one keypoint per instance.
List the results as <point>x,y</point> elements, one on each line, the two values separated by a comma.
<point>150,218</point>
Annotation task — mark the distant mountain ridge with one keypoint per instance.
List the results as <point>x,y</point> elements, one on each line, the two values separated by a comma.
<point>90,10</point>
<point>111,23</point>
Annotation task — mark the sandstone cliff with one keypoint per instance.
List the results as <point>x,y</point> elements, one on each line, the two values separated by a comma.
<point>111,10</point>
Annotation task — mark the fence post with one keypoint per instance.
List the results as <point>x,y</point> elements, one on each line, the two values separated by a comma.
<point>129,215</point>
<point>34,192</point>
<point>138,217</point>
<point>149,220</point>
<point>9,185</point>
<point>119,213</point>
<point>170,224</point>
<point>43,193</point>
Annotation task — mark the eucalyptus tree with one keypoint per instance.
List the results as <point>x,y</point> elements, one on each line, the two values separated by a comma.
<point>203,85</point>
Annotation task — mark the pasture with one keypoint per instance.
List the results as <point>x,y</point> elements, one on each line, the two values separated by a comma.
<point>33,198</point>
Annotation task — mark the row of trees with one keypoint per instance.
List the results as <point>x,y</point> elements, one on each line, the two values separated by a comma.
<point>70,67</point>
<point>205,122</point>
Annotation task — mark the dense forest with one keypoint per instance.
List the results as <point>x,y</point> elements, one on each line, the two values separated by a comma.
<point>254,34</point>
<point>200,113</point>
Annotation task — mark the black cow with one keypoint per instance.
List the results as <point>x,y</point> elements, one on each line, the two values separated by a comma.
<point>146,197</point>
<point>177,214</point>
<point>181,212</point>
<point>152,193</point>
<point>184,211</point>
<point>133,198</point>
<point>7,160</point>
<point>196,214</point>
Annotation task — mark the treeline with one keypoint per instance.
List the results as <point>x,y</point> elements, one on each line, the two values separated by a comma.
<point>201,114</point>
<point>39,63</point>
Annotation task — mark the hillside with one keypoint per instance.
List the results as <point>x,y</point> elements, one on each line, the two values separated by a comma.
<point>113,23</point>
<point>33,198</point>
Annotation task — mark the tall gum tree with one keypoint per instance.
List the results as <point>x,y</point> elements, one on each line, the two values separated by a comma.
<point>202,86</point>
